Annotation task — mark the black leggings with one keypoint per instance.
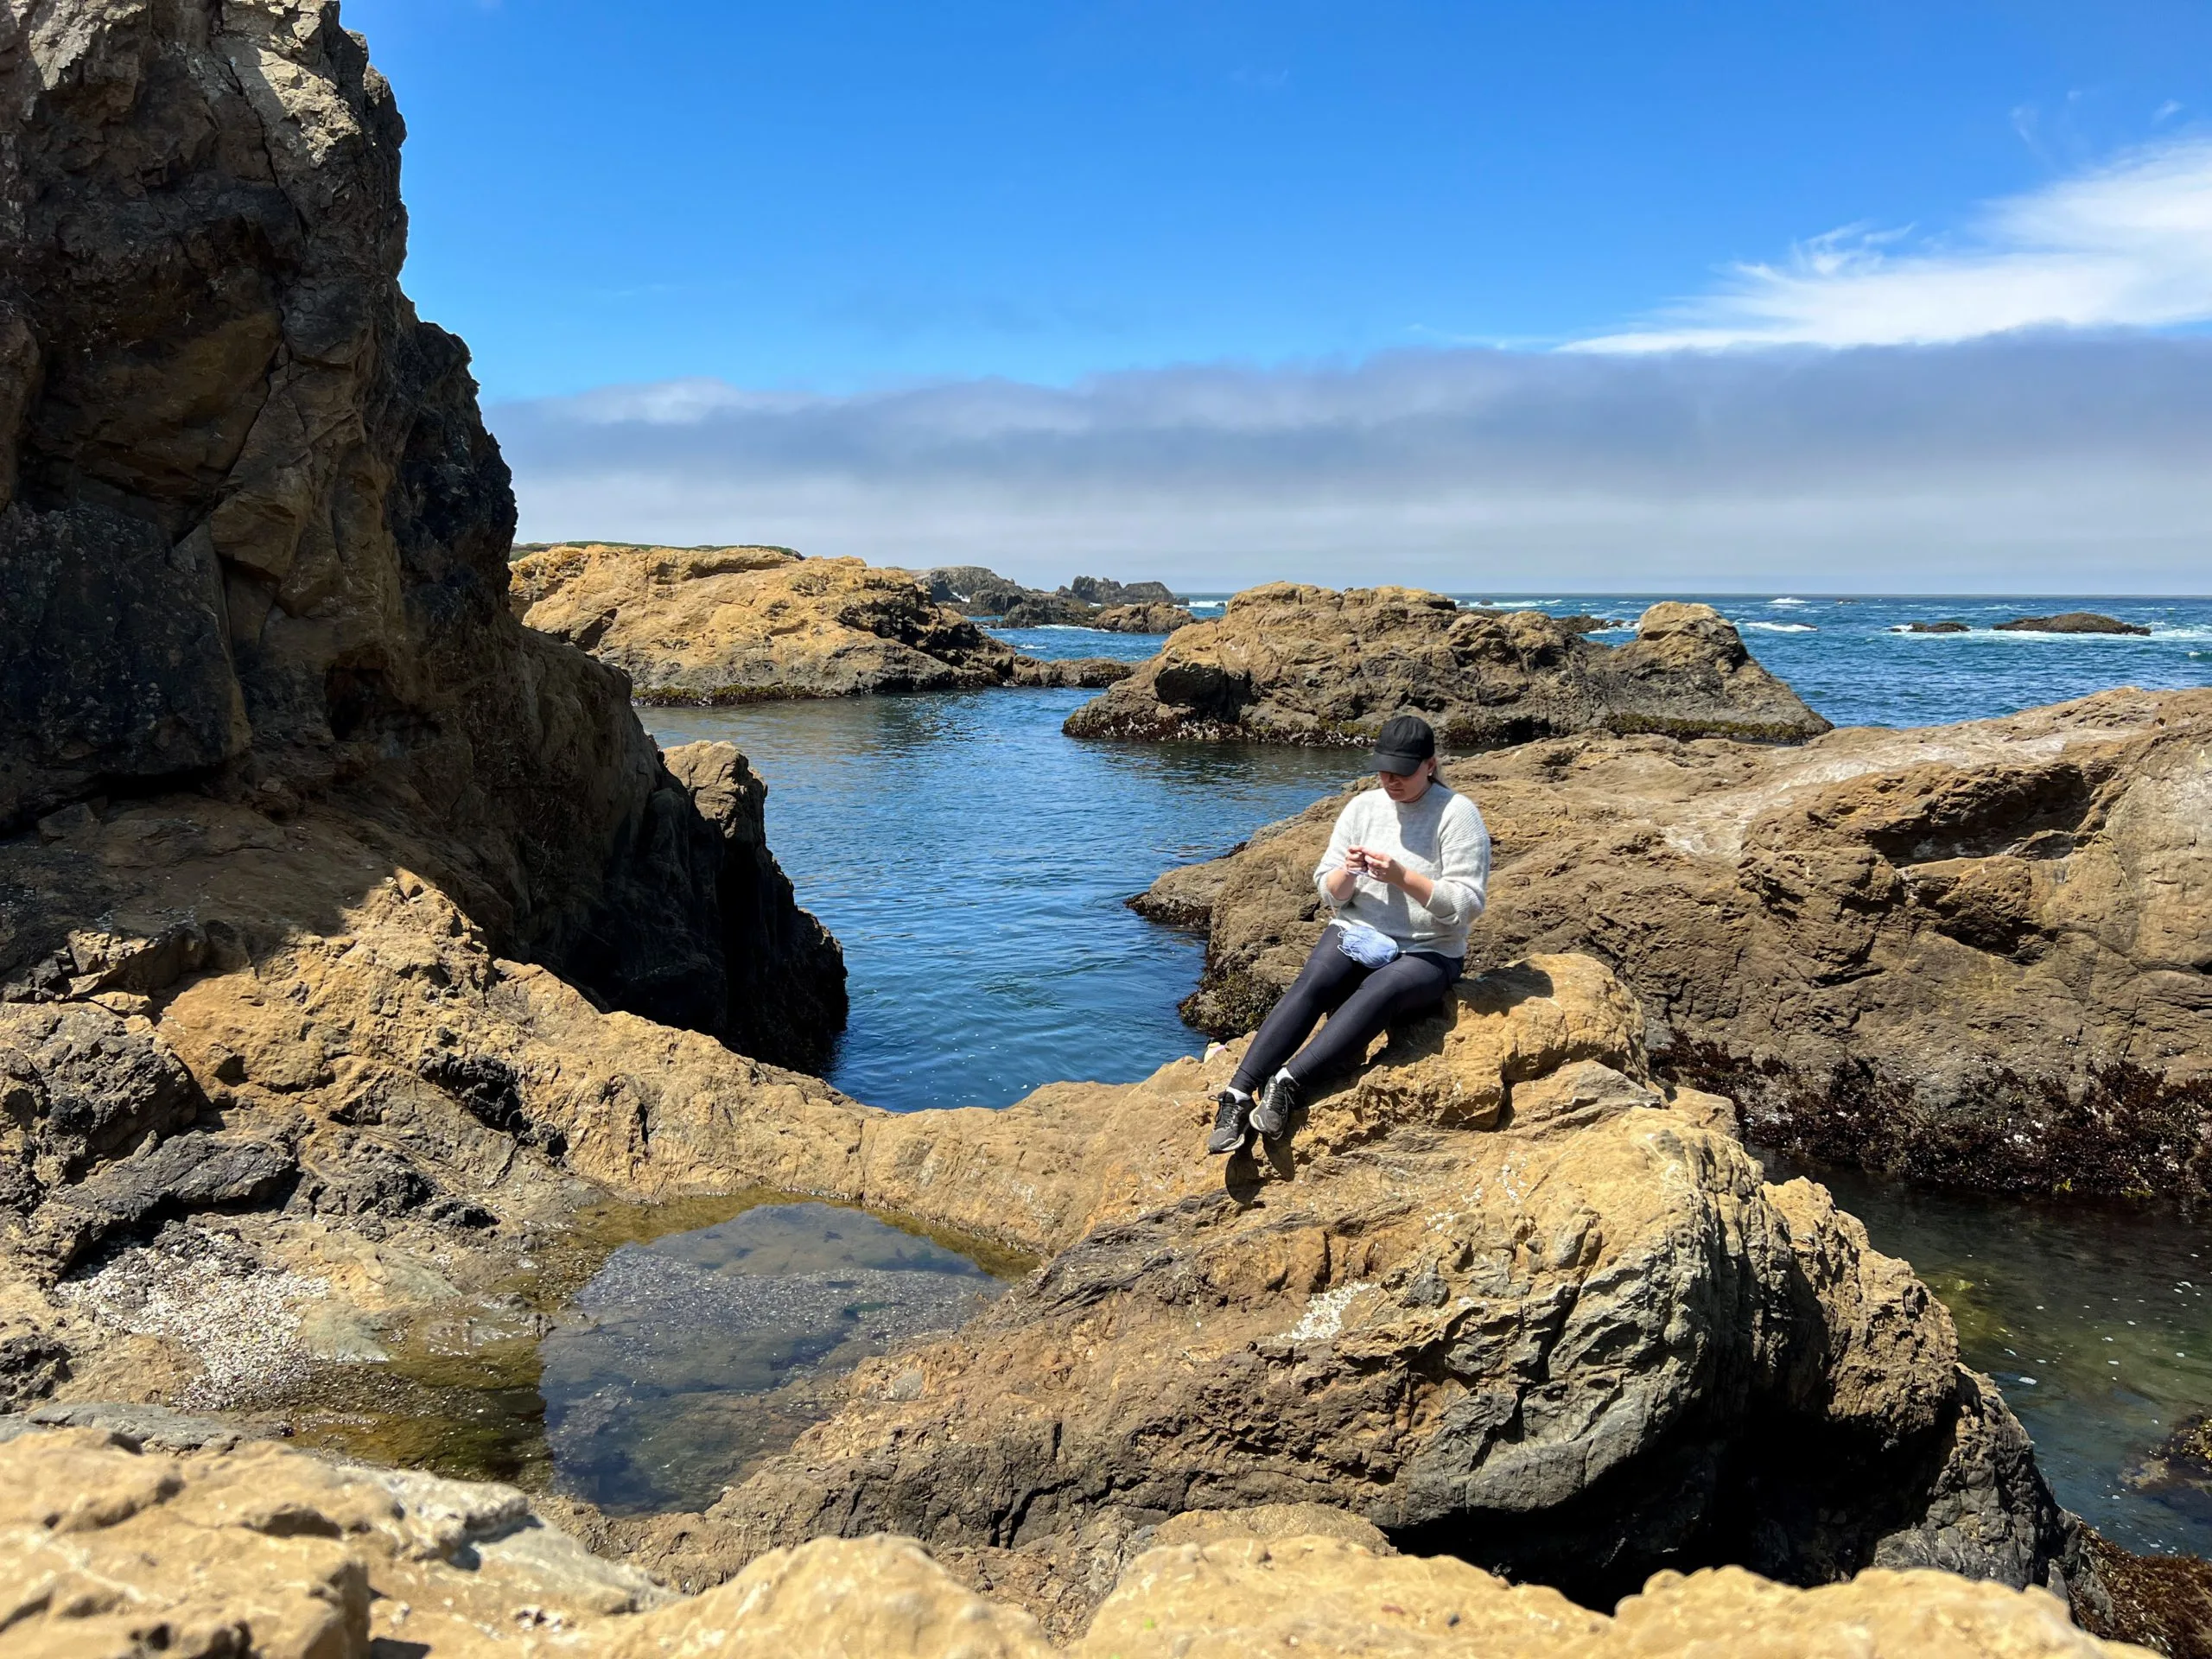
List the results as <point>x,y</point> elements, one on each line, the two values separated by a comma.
<point>1359,1001</point>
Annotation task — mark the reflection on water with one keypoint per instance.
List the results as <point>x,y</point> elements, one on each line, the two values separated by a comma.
<point>973,863</point>
<point>2093,1322</point>
<point>686,1360</point>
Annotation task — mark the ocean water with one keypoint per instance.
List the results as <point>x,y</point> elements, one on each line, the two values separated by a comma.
<point>686,1360</point>
<point>1851,658</point>
<point>975,863</point>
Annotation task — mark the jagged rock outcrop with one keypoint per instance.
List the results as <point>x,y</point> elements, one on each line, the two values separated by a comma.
<point>1504,1298</point>
<point>1104,590</point>
<point>1087,673</point>
<point>1152,617</point>
<point>1980,954</point>
<point>264,1553</point>
<point>973,591</point>
<point>1292,664</point>
<point>1048,611</point>
<point>727,625</point>
<point>253,533</point>
<point>1501,1298</point>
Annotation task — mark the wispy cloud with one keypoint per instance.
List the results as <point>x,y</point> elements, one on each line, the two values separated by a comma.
<point>2127,245</point>
<point>2041,461</point>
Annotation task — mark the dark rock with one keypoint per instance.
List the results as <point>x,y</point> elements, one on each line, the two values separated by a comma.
<point>191,1172</point>
<point>79,1084</point>
<point>1149,618</point>
<point>1049,611</point>
<point>1288,664</point>
<point>253,534</point>
<point>1937,628</point>
<point>1088,672</point>
<point>32,1365</point>
<point>973,591</point>
<point>1101,590</point>
<point>2070,622</point>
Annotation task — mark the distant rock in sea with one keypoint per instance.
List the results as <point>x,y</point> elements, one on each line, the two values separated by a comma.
<point>1086,602</point>
<point>1149,616</point>
<point>723,625</point>
<point>1935,627</point>
<point>2070,622</point>
<point>1292,663</point>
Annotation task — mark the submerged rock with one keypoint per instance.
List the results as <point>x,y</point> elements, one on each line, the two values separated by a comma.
<point>1937,628</point>
<point>1975,954</point>
<point>729,625</point>
<point>1290,664</point>
<point>2070,622</point>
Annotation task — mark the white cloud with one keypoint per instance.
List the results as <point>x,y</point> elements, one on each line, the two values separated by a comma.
<point>2039,462</point>
<point>2126,245</point>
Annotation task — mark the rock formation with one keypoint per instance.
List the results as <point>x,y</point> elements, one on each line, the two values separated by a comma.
<point>1500,1297</point>
<point>1504,1298</point>
<point>1104,591</point>
<point>1976,954</point>
<point>1289,664</point>
<point>736,624</point>
<point>732,625</point>
<point>1937,628</point>
<point>1154,617</point>
<point>1086,602</point>
<point>265,1554</point>
<point>973,591</point>
<point>253,534</point>
<point>1088,673</point>
<point>2070,622</point>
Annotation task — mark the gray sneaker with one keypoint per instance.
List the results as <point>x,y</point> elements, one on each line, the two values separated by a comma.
<point>1229,1132</point>
<point>1282,1097</point>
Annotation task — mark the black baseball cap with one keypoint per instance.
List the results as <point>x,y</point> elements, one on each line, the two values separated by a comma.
<point>1403,743</point>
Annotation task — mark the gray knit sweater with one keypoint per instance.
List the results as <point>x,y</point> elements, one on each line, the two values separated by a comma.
<point>1442,835</point>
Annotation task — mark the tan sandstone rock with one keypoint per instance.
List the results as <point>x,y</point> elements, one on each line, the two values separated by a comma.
<point>265,1554</point>
<point>735,624</point>
<point>1574,1347</point>
<point>1292,663</point>
<point>261,1553</point>
<point>1323,1596</point>
<point>1978,953</point>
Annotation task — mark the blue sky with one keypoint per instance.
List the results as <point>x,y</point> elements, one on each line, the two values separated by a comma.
<point>787,231</point>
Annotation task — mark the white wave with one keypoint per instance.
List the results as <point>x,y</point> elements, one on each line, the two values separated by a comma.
<point>1786,602</point>
<point>1054,627</point>
<point>1783,627</point>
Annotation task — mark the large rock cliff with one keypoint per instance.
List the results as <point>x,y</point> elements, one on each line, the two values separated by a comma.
<point>253,535</point>
<point>1980,954</point>
<point>1291,664</point>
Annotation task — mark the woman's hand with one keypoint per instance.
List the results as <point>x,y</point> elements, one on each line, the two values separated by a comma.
<point>1388,871</point>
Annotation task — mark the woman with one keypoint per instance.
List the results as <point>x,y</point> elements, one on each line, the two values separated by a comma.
<point>1405,873</point>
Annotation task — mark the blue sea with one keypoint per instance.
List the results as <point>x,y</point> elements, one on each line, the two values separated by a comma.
<point>974,862</point>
